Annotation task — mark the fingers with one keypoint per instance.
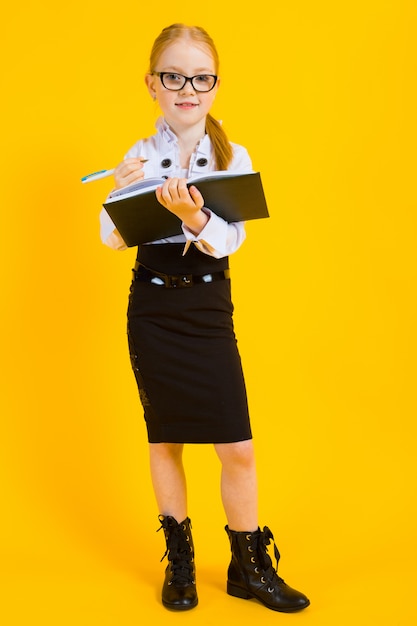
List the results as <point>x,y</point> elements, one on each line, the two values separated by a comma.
<point>179,190</point>
<point>175,190</point>
<point>168,193</point>
<point>129,171</point>
<point>186,203</point>
<point>196,196</point>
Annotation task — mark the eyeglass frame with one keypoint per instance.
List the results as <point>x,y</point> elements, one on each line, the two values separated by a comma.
<point>187,79</point>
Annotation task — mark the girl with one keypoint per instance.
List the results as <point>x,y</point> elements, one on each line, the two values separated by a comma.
<point>180,329</point>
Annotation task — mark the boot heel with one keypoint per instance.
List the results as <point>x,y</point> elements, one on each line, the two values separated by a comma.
<point>237,592</point>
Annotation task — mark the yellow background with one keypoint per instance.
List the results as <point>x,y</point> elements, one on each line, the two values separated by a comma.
<point>323,95</point>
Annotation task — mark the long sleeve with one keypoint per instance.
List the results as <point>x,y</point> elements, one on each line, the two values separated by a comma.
<point>109,234</point>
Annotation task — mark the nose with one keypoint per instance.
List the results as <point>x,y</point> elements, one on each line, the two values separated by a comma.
<point>190,88</point>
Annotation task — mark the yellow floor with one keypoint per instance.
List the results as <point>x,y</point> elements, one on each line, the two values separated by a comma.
<point>112,597</point>
<point>107,587</point>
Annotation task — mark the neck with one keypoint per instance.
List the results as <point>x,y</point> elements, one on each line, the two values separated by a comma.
<point>188,138</point>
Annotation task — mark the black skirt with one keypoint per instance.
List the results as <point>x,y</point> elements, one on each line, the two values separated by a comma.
<point>184,353</point>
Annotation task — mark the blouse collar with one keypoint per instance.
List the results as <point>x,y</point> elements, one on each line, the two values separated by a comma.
<point>170,137</point>
<point>165,131</point>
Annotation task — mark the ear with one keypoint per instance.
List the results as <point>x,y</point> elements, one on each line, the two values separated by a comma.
<point>216,88</point>
<point>150,83</point>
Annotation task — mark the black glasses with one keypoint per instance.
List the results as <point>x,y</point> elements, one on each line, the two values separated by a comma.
<point>176,82</point>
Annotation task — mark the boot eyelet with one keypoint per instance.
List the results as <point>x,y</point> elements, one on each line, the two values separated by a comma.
<point>188,539</point>
<point>248,537</point>
<point>263,581</point>
<point>256,570</point>
<point>252,559</point>
<point>271,590</point>
<point>250,549</point>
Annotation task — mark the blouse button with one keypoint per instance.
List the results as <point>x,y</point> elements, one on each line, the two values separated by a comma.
<point>202,162</point>
<point>166,163</point>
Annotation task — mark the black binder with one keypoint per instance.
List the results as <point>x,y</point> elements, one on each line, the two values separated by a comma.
<point>140,218</point>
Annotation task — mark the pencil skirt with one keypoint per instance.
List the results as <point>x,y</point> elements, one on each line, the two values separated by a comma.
<point>184,352</point>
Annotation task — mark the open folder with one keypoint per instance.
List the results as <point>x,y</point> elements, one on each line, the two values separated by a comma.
<point>140,218</point>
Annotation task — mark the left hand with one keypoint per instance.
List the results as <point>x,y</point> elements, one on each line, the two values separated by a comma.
<point>186,203</point>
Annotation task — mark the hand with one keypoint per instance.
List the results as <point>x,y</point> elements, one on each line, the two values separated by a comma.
<point>129,171</point>
<point>186,203</point>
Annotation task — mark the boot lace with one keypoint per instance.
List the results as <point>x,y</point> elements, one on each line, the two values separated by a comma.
<point>178,552</point>
<point>271,572</point>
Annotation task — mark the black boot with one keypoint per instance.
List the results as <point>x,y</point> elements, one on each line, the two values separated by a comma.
<point>252,575</point>
<point>179,591</point>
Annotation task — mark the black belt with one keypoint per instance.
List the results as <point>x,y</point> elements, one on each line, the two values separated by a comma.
<point>143,274</point>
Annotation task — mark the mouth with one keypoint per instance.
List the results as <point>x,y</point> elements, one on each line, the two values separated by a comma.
<point>186,105</point>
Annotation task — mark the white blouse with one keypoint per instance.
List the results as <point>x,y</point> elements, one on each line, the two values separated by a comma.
<point>218,238</point>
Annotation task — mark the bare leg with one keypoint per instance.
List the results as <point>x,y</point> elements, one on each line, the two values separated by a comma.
<point>168,479</point>
<point>239,484</point>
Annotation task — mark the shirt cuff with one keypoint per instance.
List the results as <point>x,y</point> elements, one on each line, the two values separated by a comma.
<point>213,237</point>
<point>115,241</point>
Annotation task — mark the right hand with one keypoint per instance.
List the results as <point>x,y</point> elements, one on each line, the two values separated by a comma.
<point>128,171</point>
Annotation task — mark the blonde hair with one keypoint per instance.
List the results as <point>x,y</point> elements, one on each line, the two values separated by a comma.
<point>223,152</point>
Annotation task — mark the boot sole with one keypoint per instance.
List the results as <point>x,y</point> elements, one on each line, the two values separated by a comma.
<point>238,592</point>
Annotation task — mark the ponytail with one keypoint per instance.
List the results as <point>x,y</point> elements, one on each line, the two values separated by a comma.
<point>223,152</point>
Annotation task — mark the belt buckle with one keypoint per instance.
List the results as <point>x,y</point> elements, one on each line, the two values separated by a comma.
<point>185,280</point>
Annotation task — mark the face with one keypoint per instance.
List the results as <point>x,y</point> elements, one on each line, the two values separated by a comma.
<point>185,108</point>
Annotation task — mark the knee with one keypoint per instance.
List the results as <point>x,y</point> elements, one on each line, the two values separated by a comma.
<point>166,451</point>
<point>239,454</point>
